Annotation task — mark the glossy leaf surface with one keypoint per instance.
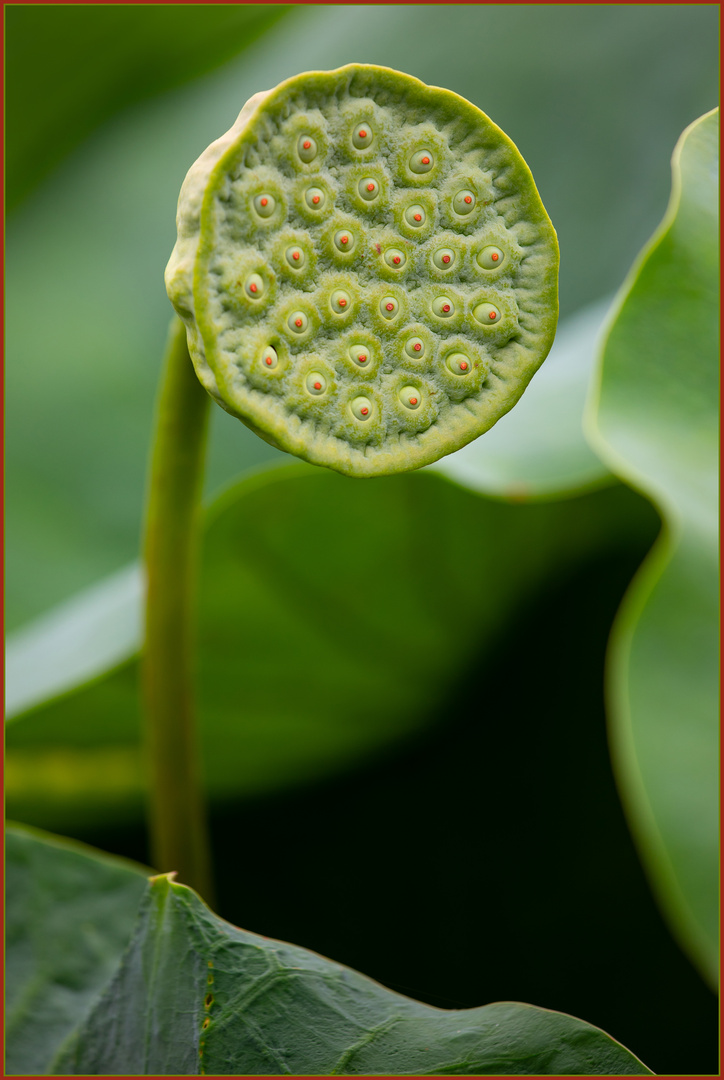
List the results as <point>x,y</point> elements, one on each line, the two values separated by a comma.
<point>68,917</point>
<point>655,423</point>
<point>335,616</point>
<point>195,994</point>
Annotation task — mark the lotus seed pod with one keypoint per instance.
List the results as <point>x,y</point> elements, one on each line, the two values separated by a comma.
<point>366,272</point>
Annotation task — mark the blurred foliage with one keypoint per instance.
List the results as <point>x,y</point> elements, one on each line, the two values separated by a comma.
<point>656,423</point>
<point>335,617</point>
<point>594,97</point>
<point>71,67</point>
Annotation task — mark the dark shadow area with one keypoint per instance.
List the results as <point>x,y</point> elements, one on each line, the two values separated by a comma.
<point>490,859</point>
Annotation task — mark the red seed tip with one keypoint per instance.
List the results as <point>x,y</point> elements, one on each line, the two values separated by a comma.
<point>413,401</point>
<point>390,307</point>
<point>307,145</point>
<point>491,314</point>
<point>344,239</point>
<point>446,258</point>
<point>253,287</point>
<point>297,322</point>
<point>426,161</point>
<point>362,134</point>
<point>364,410</point>
<point>463,365</point>
<point>317,386</point>
<point>417,347</point>
<point>268,360</point>
<point>342,302</point>
<point>468,199</point>
<point>370,187</point>
<point>494,257</point>
<point>418,217</point>
<point>315,199</point>
<point>295,254</point>
<point>362,359</point>
<point>264,202</point>
<point>396,259</point>
<point>445,307</point>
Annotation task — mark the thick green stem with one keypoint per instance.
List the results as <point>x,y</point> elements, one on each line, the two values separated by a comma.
<point>179,839</point>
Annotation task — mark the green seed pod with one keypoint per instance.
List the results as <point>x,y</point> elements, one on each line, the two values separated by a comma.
<point>300,319</point>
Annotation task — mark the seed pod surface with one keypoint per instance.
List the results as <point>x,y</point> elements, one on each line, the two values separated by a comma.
<point>355,213</point>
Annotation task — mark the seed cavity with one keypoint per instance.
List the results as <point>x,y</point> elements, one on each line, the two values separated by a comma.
<point>340,301</point>
<point>315,198</point>
<point>344,240</point>
<point>464,202</point>
<point>395,258</point>
<point>265,205</point>
<point>269,358</point>
<point>415,348</point>
<point>368,188</point>
<point>459,363</point>
<point>297,322</point>
<point>360,354</point>
<point>444,258</point>
<point>362,136</point>
<point>487,314</point>
<point>316,383</point>
<point>361,408</point>
<point>208,1001</point>
<point>422,161</point>
<point>307,148</point>
<point>415,216</point>
<point>410,397</point>
<point>389,307</point>
<point>490,257</point>
<point>296,257</point>
<point>443,307</point>
<point>254,287</point>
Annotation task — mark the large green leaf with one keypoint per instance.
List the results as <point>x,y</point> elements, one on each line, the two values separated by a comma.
<point>68,917</point>
<point>86,308</point>
<point>195,994</point>
<point>335,617</point>
<point>69,68</point>
<point>655,421</point>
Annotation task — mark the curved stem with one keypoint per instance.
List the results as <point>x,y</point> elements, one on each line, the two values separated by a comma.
<point>179,838</point>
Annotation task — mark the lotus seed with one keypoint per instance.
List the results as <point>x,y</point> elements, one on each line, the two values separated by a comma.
<point>361,408</point>
<point>307,148</point>
<point>443,307</point>
<point>415,348</point>
<point>363,136</point>
<point>444,258</point>
<point>421,162</point>
<point>378,138</point>
<point>254,287</point>
<point>265,205</point>
<point>339,301</point>
<point>297,322</point>
<point>368,188</point>
<point>486,314</point>
<point>395,258</point>
<point>315,198</point>
<point>360,354</point>
<point>296,257</point>
<point>415,216</point>
<point>344,240</point>
<point>490,257</point>
<point>410,397</point>
<point>464,202</point>
<point>316,383</point>
<point>458,363</point>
